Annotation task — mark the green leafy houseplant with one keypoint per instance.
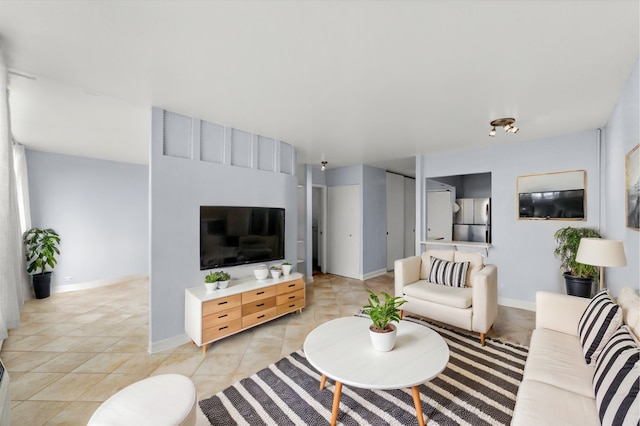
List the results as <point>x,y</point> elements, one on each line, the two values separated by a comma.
<point>213,277</point>
<point>383,312</point>
<point>41,248</point>
<point>286,262</point>
<point>568,240</point>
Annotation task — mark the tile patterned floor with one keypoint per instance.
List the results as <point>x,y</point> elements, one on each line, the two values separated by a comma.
<point>74,350</point>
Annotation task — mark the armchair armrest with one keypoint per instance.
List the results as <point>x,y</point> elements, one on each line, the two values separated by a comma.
<point>485,298</point>
<point>559,312</point>
<point>406,271</point>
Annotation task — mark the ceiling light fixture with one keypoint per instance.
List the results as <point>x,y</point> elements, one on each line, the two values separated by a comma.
<point>324,166</point>
<point>506,123</point>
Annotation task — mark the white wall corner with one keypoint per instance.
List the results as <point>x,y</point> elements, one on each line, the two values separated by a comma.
<point>373,274</point>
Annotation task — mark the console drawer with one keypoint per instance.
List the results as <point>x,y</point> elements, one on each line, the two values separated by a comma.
<point>221,330</point>
<point>290,286</point>
<point>290,306</point>
<point>221,317</point>
<point>222,304</point>
<point>290,297</point>
<point>258,294</point>
<point>258,317</point>
<point>258,306</point>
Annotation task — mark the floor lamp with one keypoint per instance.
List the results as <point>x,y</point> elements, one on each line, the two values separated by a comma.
<point>600,252</point>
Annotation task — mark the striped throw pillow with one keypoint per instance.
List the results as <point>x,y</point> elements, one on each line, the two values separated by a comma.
<point>598,323</point>
<point>616,380</point>
<point>448,273</point>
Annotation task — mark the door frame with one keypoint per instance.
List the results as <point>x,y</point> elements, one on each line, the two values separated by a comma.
<point>322,226</point>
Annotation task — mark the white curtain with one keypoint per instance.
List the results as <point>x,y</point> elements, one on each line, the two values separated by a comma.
<point>12,272</point>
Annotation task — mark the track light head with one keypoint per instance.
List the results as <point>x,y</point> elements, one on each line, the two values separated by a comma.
<point>492,133</point>
<point>506,123</point>
<point>507,127</point>
<point>324,165</point>
<point>514,129</point>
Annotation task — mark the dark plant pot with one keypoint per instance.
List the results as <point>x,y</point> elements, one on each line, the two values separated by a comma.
<point>577,286</point>
<point>42,285</point>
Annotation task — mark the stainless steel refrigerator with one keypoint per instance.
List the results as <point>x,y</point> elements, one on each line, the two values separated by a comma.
<point>472,222</point>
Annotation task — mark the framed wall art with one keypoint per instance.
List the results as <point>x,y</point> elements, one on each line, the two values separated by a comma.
<point>632,167</point>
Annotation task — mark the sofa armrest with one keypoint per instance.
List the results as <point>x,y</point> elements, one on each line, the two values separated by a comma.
<point>406,271</point>
<point>559,312</point>
<point>485,298</point>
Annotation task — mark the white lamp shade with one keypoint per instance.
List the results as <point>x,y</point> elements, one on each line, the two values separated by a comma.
<point>601,252</point>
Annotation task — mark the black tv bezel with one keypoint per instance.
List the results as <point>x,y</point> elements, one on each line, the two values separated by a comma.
<point>584,205</point>
<point>248,262</point>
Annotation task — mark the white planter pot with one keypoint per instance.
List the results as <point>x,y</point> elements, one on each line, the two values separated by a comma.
<point>275,274</point>
<point>223,284</point>
<point>286,269</point>
<point>383,342</point>
<point>211,286</point>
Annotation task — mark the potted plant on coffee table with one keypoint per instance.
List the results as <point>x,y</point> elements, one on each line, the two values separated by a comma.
<point>382,313</point>
<point>41,248</point>
<point>578,277</point>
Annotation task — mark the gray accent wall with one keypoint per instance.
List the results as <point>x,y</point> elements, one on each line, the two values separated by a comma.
<point>99,208</point>
<point>374,220</point>
<point>620,136</point>
<point>254,171</point>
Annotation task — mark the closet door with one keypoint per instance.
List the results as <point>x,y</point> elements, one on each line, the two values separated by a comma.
<point>395,219</point>
<point>343,231</point>
<point>409,217</point>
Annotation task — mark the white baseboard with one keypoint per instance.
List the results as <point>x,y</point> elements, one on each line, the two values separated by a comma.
<point>97,283</point>
<point>167,344</point>
<point>373,274</point>
<point>515,303</point>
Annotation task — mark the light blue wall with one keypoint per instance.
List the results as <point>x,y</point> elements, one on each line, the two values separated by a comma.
<point>181,183</point>
<point>374,220</point>
<point>99,208</point>
<point>620,135</point>
<point>523,249</point>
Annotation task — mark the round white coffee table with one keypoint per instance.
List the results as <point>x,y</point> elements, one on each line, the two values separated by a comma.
<point>341,350</point>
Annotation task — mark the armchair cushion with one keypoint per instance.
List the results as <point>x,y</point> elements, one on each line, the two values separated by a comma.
<point>448,273</point>
<point>425,267</point>
<point>440,294</point>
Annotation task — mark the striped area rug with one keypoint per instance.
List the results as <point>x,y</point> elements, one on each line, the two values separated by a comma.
<point>478,387</point>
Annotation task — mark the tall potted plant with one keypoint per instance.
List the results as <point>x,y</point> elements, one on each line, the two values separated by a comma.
<point>382,313</point>
<point>41,248</point>
<point>578,277</point>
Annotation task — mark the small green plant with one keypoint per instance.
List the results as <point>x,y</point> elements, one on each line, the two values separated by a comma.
<point>213,277</point>
<point>286,262</point>
<point>382,313</point>
<point>41,247</point>
<point>276,268</point>
<point>568,240</point>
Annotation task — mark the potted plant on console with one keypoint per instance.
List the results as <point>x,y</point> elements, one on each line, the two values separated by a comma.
<point>578,277</point>
<point>216,279</point>
<point>276,270</point>
<point>286,267</point>
<point>41,247</point>
<point>382,313</point>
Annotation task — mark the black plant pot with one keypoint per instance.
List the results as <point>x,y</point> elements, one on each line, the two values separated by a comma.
<point>42,285</point>
<point>577,286</point>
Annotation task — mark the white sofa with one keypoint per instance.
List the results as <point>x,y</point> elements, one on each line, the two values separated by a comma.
<point>473,307</point>
<point>557,387</point>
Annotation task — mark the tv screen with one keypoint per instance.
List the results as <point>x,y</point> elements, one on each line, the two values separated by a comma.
<point>567,204</point>
<point>240,235</point>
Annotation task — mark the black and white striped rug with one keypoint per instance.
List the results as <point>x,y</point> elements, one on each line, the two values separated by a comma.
<point>478,387</point>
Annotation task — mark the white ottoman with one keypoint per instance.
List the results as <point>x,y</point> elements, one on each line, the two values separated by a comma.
<point>167,399</point>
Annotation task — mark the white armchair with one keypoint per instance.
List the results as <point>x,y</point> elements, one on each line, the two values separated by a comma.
<point>473,307</point>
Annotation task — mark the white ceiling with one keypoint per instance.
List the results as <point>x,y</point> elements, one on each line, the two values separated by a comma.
<point>350,82</point>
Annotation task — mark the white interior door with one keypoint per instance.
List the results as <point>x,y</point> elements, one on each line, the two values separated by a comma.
<point>409,217</point>
<point>343,231</point>
<point>395,219</point>
<point>439,216</point>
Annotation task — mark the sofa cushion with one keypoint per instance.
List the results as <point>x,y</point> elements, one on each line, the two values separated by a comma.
<point>476,263</point>
<point>425,267</point>
<point>615,381</point>
<point>598,323</point>
<point>444,295</point>
<point>629,302</point>
<point>543,404</point>
<point>448,273</point>
<point>556,358</point>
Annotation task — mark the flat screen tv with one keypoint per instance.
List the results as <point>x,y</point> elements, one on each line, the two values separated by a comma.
<point>240,235</point>
<point>568,204</point>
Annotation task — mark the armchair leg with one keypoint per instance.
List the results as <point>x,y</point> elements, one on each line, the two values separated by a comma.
<point>482,339</point>
<point>401,314</point>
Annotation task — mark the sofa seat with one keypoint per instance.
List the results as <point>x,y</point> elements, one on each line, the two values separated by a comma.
<point>455,297</point>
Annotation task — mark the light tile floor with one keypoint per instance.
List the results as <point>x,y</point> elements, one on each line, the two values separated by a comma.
<point>74,350</point>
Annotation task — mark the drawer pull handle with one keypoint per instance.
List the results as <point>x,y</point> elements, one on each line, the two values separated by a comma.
<point>292,297</point>
<point>291,306</point>
<point>261,304</point>
<point>222,316</point>
<point>261,316</point>
<point>260,292</point>
<point>292,285</point>
<point>222,303</point>
<point>222,328</point>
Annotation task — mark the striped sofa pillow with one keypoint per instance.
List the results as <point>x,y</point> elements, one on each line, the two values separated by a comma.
<point>616,380</point>
<point>600,320</point>
<point>453,274</point>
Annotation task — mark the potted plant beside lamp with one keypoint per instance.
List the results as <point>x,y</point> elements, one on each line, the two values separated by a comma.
<point>578,277</point>
<point>41,248</point>
<point>382,312</point>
